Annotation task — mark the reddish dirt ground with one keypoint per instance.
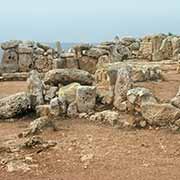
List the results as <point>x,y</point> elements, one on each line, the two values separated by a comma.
<point>114,153</point>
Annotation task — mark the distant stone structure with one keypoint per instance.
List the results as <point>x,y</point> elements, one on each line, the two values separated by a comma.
<point>24,56</point>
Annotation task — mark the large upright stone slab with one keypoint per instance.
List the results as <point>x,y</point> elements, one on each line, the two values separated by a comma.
<point>86,98</point>
<point>123,84</point>
<point>35,89</point>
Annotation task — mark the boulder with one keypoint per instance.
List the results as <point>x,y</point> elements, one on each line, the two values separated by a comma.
<point>122,85</point>
<point>103,60</point>
<point>43,110</point>
<point>107,116</point>
<point>43,46</point>
<point>160,114</point>
<point>14,105</point>
<point>10,44</point>
<point>25,62</point>
<point>58,106</point>
<point>50,93</point>
<point>39,51</point>
<point>134,46</point>
<point>120,53</point>
<point>35,88</point>
<point>86,98</point>
<point>176,100</point>
<point>137,97</point>
<point>68,92</point>
<point>88,64</point>
<point>166,48</point>
<point>58,63</point>
<point>15,76</point>
<point>72,110</point>
<point>42,63</point>
<point>10,61</point>
<point>96,52</point>
<point>66,76</point>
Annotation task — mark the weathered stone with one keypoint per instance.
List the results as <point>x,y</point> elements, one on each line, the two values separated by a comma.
<point>58,106</point>
<point>86,98</point>
<point>72,110</point>
<point>43,46</point>
<point>23,49</point>
<point>39,51</point>
<point>105,81</point>
<point>96,52</point>
<point>43,110</point>
<point>134,46</point>
<point>9,68</point>
<point>88,64</point>
<point>71,63</point>
<point>137,97</point>
<point>50,93</point>
<point>10,44</point>
<point>120,53</point>
<point>35,88</point>
<point>68,92</point>
<point>15,76</point>
<point>176,101</point>
<point>123,84</point>
<point>14,105</point>
<point>159,114</point>
<point>42,64</point>
<point>10,57</point>
<point>128,41</point>
<point>58,63</point>
<point>38,125</point>
<point>166,48</point>
<point>108,116</point>
<point>67,55</point>
<point>103,60</point>
<point>25,62</point>
<point>79,48</point>
<point>66,76</point>
<point>58,47</point>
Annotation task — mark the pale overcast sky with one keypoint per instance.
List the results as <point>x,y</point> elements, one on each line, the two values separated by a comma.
<point>86,21</point>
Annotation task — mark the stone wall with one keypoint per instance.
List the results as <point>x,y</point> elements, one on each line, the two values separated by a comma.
<point>22,56</point>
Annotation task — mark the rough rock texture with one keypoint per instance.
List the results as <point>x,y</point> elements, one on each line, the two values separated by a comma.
<point>66,76</point>
<point>38,125</point>
<point>15,76</point>
<point>43,110</point>
<point>42,63</point>
<point>50,93</point>
<point>160,114</point>
<point>176,100</point>
<point>123,84</point>
<point>14,105</point>
<point>105,82</point>
<point>86,98</point>
<point>137,97</point>
<point>108,116</point>
<point>35,88</point>
<point>68,92</point>
<point>72,110</point>
<point>58,106</point>
<point>10,44</point>
<point>10,61</point>
<point>88,64</point>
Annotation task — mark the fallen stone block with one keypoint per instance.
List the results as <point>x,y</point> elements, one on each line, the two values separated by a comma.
<point>14,105</point>
<point>66,76</point>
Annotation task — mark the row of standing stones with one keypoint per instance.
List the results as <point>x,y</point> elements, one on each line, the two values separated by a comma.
<point>88,79</point>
